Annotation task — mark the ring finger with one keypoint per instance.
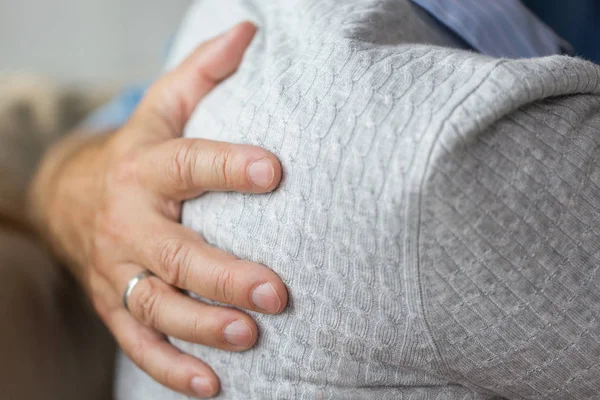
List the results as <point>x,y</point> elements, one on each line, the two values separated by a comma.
<point>148,349</point>
<point>164,308</point>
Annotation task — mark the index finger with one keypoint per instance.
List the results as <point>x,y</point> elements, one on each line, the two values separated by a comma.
<point>169,103</point>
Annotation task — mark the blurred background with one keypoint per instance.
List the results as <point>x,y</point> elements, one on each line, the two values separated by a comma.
<point>62,59</point>
<point>88,41</point>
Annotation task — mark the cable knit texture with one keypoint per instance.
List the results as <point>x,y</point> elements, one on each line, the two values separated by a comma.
<point>437,224</point>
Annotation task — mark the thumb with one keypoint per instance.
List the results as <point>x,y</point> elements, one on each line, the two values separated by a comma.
<point>170,102</point>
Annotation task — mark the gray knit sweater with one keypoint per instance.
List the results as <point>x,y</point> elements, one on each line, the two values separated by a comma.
<point>438,221</point>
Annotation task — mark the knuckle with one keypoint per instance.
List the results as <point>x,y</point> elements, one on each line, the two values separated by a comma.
<point>174,377</point>
<point>181,165</point>
<point>222,165</point>
<point>126,169</point>
<point>109,223</point>
<point>224,285</point>
<point>170,378</point>
<point>97,261</point>
<point>138,352</point>
<point>148,302</point>
<point>174,260</point>
<point>197,329</point>
<point>110,233</point>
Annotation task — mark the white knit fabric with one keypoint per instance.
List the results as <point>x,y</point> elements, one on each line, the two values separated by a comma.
<point>437,220</point>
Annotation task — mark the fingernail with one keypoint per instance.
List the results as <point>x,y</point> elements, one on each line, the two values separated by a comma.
<point>238,333</point>
<point>261,173</point>
<point>202,387</point>
<point>266,298</point>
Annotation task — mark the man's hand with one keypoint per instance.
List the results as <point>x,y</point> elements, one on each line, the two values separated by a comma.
<point>110,206</point>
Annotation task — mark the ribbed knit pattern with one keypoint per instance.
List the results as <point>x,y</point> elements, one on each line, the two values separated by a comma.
<point>437,224</point>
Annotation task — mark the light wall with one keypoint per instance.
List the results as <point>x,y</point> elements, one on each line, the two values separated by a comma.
<point>88,41</point>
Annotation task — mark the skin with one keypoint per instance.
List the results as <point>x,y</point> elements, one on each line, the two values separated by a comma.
<point>109,205</point>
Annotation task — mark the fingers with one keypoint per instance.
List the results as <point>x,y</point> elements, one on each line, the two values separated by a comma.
<point>170,102</point>
<point>167,310</point>
<point>184,168</point>
<point>150,351</point>
<point>180,258</point>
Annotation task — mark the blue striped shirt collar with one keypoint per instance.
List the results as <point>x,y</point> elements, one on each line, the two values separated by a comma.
<point>499,28</point>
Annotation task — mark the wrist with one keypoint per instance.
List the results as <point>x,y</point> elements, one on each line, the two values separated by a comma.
<point>63,190</point>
